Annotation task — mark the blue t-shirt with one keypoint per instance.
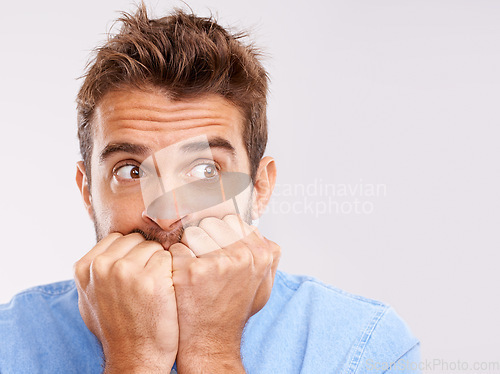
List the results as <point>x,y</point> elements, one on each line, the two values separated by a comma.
<point>305,327</point>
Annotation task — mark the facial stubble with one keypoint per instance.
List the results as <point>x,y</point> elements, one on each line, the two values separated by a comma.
<point>157,234</point>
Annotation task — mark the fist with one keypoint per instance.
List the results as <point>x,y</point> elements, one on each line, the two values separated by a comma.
<point>223,272</point>
<point>127,300</point>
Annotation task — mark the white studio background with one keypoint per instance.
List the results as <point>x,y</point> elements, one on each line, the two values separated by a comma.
<point>398,95</point>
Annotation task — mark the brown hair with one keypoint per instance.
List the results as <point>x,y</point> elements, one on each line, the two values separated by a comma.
<point>183,55</point>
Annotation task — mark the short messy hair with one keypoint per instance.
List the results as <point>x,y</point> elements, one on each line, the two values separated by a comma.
<point>185,56</point>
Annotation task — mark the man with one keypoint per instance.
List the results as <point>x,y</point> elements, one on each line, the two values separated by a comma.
<point>172,129</point>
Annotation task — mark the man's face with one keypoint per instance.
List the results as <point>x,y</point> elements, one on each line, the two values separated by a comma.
<point>129,127</point>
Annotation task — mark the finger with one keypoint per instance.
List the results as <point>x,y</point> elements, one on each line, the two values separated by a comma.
<point>238,225</point>
<point>81,268</point>
<point>260,248</point>
<point>181,250</point>
<point>198,241</point>
<point>219,231</point>
<point>103,263</point>
<point>122,246</point>
<point>160,262</point>
<point>182,259</point>
<point>142,252</point>
<point>253,240</point>
<point>100,247</point>
<point>276,253</point>
<point>159,267</point>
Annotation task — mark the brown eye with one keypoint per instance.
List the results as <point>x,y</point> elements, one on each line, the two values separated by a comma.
<point>204,171</point>
<point>129,172</point>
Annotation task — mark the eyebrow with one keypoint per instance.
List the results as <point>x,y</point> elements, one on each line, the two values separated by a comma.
<point>216,142</point>
<point>135,149</point>
<point>143,150</point>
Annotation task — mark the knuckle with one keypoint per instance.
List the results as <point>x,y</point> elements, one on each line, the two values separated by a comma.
<point>264,256</point>
<point>220,266</point>
<point>197,273</point>
<point>274,249</point>
<point>81,275</point>
<point>100,265</point>
<point>268,259</point>
<point>122,268</point>
<point>193,273</point>
<point>78,269</point>
<point>244,256</point>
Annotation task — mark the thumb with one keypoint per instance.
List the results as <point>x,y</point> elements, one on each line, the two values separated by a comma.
<point>181,255</point>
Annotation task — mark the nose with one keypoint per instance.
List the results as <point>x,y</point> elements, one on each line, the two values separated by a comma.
<point>165,224</point>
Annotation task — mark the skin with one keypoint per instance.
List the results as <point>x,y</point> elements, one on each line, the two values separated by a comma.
<point>186,287</point>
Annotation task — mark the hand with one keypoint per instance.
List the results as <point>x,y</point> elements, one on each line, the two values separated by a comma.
<point>126,298</point>
<point>221,279</point>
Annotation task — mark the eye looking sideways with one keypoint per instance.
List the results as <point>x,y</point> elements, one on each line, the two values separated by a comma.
<point>203,170</point>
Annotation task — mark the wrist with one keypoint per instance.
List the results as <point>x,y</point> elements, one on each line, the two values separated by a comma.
<point>136,364</point>
<point>210,358</point>
<point>135,369</point>
<point>210,364</point>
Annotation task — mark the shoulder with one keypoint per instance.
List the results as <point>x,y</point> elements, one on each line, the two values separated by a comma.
<point>35,310</point>
<point>353,326</point>
<point>45,322</point>
<point>311,291</point>
<point>50,289</point>
<point>43,296</point>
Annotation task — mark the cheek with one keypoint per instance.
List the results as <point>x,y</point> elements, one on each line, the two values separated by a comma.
<point>243,205</point>
<point>218,211</point>
<point>117,213</point>
<point>243,199</point>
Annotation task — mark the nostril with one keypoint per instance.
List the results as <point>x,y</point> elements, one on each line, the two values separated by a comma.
<point>164,224</point>
<point>146,217</point>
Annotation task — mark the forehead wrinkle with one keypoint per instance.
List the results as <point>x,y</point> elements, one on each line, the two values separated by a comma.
<point>168,117</point>
<point>144,106</point>
<point>136,112</point>
<point>119,108</point>
<point>176,106</point>
<point>140,124</point>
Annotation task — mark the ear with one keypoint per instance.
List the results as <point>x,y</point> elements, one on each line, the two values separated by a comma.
<point>83,186</point>
<point>265,180</point>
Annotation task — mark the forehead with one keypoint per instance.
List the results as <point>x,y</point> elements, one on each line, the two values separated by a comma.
<point>152,118</point>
